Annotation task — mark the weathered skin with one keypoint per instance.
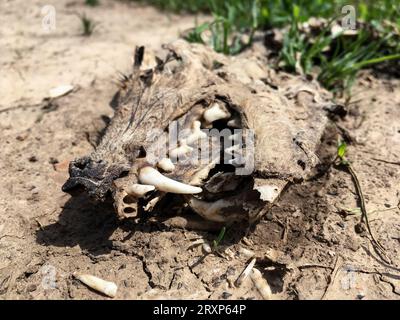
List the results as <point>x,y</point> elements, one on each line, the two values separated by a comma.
<point>284,111</point>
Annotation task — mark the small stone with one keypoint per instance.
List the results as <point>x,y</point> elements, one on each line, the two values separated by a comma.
<point>359,228</point>
<point>269,216</point>
<point>360,295</point>
<point>320,193</point>
<point>32,287</point>
<point>33,159</point>
<point>331,253</point>
<point>53,160</point>
<point>340,224</point>
<point>226,295</point>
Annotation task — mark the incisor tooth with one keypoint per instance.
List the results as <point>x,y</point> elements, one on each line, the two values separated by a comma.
<point>149,175</point>
<point>216,112</point>
<point>139,190</point>
<point>166,165</point>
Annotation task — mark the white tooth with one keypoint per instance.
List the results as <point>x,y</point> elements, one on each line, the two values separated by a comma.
<point>268,192</point>
<point>139,190</point>
<point>180,151</point>
<point>234,137</point>
<point>261,284</point>
<point>60,91</point>
<point>234,123</point>
<point>210,210</point>
<point>232,149</point>
<point>237,161</point>
<point>166,165</point>
<point>202,174</point>
<point>196,125</point>
<point>151,204</point>
<point>103,286</point>
<point>196,134</point>
<point>216,112</point>
<point>245,273</point>
<point>149,175</point>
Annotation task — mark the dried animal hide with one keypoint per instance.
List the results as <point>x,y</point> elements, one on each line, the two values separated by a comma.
<point>271,124</point>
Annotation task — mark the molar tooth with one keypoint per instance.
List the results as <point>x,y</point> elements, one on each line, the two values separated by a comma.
<point>216,112</point>
<point>166,165</point>
<point>149,175</point>
<point>139,190</point>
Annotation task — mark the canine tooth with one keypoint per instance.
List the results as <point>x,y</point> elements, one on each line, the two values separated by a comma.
<point>166,165</point>
<point>149,175</point>
<point>103,286</point>
<point>139,190</point>
<point>216,112</point>
<point>180,151</point>
<point>197,133</point>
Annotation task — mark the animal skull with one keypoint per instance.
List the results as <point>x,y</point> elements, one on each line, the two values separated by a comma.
<point>271,124</point>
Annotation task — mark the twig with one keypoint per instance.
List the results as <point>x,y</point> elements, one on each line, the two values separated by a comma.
<point>397,163</point>
<point>364,215</point>
<point>332,276</point>
<point>380,250</point>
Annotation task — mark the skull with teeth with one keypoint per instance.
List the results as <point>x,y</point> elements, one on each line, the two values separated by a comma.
<point>221,136</point>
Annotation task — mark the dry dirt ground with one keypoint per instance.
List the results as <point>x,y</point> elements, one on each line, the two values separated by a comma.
<point>306,247</point>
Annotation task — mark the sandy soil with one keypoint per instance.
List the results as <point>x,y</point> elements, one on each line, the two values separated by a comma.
<point>306,247</point>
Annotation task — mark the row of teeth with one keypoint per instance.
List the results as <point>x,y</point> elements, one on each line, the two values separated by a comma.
<point>151,179</point>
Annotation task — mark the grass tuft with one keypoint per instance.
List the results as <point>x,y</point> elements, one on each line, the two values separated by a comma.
<point>88,25</point>
<point>92,3</point>
<point>334,59</point>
